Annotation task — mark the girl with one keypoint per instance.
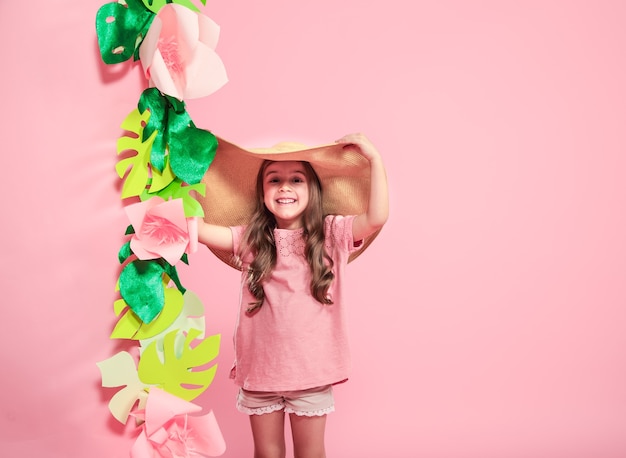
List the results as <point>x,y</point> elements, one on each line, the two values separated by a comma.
<point>290,338</point>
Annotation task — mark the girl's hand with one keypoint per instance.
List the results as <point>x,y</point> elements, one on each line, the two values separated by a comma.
<point>360,143</point>
<point>377,211</point>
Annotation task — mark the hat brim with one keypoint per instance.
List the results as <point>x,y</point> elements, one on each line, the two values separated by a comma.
<point>231,180</point>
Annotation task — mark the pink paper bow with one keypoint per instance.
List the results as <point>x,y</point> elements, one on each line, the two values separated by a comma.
<point>169,431</point>
<point>161,229</point>
<point>178,53</point>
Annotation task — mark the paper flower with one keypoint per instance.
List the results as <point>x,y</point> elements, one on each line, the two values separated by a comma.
<point>169,431</point>
<point>178,53</point>
<point>161,229</point>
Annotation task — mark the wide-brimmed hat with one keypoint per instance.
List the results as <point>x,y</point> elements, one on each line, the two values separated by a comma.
<point>231,182</point>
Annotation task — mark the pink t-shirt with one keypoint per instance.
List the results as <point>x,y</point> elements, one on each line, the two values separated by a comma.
<point>293,342</point>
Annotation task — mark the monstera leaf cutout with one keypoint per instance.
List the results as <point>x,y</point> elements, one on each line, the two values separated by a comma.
<point>137,177</point>
<point>183,376</point>
<point>120,370</point>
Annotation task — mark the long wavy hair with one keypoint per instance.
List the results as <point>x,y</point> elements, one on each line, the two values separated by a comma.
<point>258,240</point>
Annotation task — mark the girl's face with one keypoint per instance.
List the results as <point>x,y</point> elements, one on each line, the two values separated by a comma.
<point>286,193</point>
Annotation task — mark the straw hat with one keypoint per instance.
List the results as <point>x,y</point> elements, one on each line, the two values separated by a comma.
<point>231,180</point>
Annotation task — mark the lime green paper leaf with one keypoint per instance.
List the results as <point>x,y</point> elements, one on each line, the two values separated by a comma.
<point>119,306</point>
<point>137,178</point>
<point>130,326</point>
<point>176,375</point>
<point>156,5</point>
<point>176,190</point>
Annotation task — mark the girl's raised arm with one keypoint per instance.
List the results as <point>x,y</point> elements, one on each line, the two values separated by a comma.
<point>378,204</point>
<point>216,237</point>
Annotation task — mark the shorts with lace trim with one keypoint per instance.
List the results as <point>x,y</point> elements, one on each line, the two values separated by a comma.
<point>313,402</point>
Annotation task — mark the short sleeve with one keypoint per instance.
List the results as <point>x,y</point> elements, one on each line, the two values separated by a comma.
<point>237,232</point>
<point>339,234</point>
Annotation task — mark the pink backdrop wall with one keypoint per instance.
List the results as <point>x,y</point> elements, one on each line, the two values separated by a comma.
<point>488,318</point>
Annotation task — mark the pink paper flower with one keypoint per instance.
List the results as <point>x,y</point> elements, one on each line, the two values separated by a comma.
<point>169,431</point>
<point>161,229</point>
<point>178,53</point>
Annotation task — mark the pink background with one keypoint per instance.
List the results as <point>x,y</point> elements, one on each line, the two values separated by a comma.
<point>487,320</point>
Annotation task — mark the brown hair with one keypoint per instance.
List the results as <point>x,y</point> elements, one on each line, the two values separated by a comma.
<point>258,240</point>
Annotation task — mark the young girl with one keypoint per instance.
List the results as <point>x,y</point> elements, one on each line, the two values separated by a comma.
<point>290,339</point>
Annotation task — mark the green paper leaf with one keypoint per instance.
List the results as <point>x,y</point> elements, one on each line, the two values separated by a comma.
<point>121,30</point>
<point>192,151</point>
<point>141,286</point>
<point>157,105</point>
<point>124,253</point>
<point>183,376</point>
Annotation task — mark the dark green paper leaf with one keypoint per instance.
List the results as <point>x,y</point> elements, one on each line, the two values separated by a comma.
<point>141,286</point>
<point>121,30</point>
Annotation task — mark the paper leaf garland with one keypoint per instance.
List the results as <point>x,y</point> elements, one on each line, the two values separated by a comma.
<point>162,159</point>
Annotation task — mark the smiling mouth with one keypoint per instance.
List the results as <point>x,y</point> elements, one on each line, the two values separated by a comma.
<point>286,201</point>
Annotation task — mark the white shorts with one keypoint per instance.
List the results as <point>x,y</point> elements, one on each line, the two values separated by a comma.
<point>310,403</point>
